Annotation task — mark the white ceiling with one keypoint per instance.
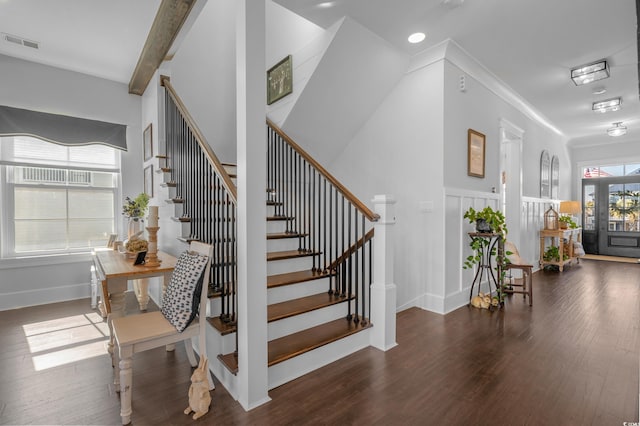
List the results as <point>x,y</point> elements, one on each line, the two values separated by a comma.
<point>531,45</point>
<point>103,38</point>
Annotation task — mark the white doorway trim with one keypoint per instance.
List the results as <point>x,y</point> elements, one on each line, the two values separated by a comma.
<point>511,139</point>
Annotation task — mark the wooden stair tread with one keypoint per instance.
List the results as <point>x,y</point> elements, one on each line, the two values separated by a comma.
<point>187,239</point>
<point>230,361</point>
<point>169,184</point>
<point>183,219</point>
<point>277,218</point>
<point>161,170</point>
<point>175,200</point>
<point>294,277</point>
<point>289,254</point>
<point>282,235</point>
<point>307,340</point>
<point>223,328</point>
<point>273,203</point>
<point>289,308</point>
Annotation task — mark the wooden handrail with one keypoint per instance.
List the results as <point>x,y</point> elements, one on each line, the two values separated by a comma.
<point>359,205</point>
<point>213,159</point>
<point>348,252</point>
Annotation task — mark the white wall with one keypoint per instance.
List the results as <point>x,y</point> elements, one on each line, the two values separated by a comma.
<point>479,108</point>
<point>204,75</point>
<point>43,88</point>
<point>399,151</point>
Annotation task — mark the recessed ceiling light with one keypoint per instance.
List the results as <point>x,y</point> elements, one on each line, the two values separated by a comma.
<point>617,130</point>
<point>326,4</point>
<point>599,91</point>
<point>416,37</point>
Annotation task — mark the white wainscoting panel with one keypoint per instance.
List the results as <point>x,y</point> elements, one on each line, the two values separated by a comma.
<point>457,280</point>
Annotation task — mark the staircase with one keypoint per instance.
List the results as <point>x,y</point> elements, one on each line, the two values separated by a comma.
<point>319,242</point>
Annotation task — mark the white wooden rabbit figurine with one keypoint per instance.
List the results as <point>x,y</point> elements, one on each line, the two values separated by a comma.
<point>199,397</point>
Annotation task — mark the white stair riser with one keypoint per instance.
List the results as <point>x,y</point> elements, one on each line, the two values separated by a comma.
<point>214,309</point>
<point>283,244</point>
<point>230,168</point>
<point>298,366</point>
<point>295,291</point>
<point>286,326</point>
<point>276,226</point>
<point>275,267</point>
<point>217,344</point>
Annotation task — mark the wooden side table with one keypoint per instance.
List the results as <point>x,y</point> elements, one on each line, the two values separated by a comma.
<point>557,237</point>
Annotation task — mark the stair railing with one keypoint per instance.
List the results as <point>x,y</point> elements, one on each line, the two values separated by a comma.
<point>208,196</point>
<point>331,224</point>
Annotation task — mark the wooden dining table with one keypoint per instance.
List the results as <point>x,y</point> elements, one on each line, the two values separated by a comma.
<point>115,269</point>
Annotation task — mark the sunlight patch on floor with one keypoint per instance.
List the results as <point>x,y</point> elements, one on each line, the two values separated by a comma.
<point>69,355</point>
<point>66,340</point>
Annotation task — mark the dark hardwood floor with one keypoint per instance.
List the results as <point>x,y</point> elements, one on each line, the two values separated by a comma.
<point>571,359</point>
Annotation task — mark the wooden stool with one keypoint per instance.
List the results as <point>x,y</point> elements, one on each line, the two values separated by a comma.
<point>527,273</point>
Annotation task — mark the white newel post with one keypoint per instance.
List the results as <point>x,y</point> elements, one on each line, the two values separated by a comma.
<point>383,289</point>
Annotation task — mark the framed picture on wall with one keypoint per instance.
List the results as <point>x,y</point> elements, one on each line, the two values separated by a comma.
<point>147,140</point>
<point>475,153</point>
<point>279,80</point>
<point>148,181</point>
<point>545,175</point>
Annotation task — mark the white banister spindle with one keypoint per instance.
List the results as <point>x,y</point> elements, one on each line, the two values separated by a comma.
<point>383,289</point>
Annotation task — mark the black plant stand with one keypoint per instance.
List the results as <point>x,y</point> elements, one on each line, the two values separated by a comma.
<point>495,245</point>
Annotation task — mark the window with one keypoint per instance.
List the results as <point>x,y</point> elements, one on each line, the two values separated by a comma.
<point>58,199</point>
<point>629,169</point>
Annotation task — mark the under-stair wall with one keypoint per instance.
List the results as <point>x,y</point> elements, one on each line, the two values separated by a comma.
<point>356,72</point>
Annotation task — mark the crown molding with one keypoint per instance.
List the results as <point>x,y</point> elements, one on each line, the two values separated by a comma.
<point>450,51</point>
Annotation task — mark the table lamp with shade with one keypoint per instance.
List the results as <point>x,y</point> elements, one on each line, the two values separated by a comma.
<point>570,208</point>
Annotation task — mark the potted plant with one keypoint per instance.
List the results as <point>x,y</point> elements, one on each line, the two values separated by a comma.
<point>135,209</point>
<point>566,221</point>
<point>487,221</point>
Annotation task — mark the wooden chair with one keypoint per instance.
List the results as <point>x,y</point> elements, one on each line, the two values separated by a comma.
<point>137,333</point>
<point>516,262</point>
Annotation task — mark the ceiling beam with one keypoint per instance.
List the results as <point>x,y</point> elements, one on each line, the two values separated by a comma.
<point>164,30</point>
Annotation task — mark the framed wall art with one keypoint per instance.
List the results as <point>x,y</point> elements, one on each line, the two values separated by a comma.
<point>279,80</point>
<point>475,153</point>
<point>545,175</point>
<point>147,140</point>
<point>148,181</point>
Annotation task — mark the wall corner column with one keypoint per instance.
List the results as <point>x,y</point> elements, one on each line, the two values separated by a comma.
<point>251,158</point>
<point>383,290</point>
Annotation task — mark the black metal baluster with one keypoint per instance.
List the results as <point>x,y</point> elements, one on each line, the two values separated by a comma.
<point>355,269</point>
<point>362,251</point>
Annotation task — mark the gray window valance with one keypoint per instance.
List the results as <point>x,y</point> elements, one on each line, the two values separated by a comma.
<point>61,129</point>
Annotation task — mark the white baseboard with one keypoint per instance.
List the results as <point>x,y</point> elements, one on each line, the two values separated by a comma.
<point>43,296</point>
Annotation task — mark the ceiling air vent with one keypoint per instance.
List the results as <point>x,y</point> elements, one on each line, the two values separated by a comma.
<point>21,41</point>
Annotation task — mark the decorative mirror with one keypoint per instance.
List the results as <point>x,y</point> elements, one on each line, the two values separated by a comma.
<point>545,175</point>
<point>555,176</point>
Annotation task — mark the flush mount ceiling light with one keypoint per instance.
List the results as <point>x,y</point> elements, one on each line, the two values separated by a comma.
<point>416,38</point>
<point>325,4</point>
<point>609,105</point>
<point>599,91</point>
<point>617,130</point>
<point>589,73</point>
